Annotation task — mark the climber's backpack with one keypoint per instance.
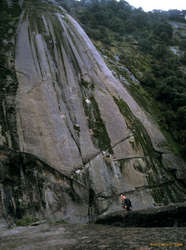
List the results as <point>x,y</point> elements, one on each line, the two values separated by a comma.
<point>127,203</point>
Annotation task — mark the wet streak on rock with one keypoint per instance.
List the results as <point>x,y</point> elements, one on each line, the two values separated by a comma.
<point>8,80</point>
<point>99,133</point>
<point>31,188</point>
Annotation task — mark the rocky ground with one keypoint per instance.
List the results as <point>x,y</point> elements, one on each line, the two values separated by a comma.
<point>90,236</point>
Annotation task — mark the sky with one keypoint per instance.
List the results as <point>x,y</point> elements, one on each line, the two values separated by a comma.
<point>148,5</point>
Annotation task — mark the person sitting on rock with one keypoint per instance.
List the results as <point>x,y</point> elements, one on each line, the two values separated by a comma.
<point>125,202</point>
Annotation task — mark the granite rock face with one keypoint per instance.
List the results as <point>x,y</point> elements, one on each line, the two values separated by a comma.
<point>75,116</point>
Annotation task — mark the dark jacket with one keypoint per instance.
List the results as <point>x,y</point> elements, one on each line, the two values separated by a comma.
<point>126,202</point>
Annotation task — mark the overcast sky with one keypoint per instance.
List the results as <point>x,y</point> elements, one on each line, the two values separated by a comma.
<point>148,5</point>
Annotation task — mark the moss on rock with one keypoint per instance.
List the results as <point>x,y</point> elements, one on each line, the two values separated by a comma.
<point>96,125</point>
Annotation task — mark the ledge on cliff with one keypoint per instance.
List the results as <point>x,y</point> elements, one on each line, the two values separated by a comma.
<point>165,216</point>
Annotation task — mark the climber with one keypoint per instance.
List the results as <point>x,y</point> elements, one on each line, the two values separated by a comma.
<point>125,202</point>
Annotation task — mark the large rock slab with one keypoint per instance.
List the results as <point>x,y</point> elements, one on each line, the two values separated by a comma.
<point>76,118</point>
